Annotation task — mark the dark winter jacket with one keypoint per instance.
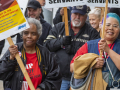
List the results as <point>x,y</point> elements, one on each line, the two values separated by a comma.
<point>63,55</point>
<point>1,45</point>
<point>10,70</point>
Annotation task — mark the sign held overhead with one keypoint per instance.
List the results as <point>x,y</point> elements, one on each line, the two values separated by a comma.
<point>63,3</point>
<point>101,3</point>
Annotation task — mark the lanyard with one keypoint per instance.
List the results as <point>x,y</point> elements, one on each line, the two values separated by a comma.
<point>113,82</point>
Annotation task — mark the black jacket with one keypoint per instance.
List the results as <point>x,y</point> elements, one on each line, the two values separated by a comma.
<point>58,17</point>
<point>10,71</point>
<point>53,43</point>
<point>1,45</point>
<point>46,27</point>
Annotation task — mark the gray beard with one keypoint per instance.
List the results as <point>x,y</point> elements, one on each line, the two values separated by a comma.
<point>76,25</point>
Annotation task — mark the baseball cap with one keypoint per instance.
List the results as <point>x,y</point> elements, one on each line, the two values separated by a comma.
<point>33,4</point>
<point>80,9</point>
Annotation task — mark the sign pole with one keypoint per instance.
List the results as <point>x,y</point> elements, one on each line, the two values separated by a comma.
<point>66,22</point>
<point>103,29</point>
<point>22,66</point>
<point>65,19</point>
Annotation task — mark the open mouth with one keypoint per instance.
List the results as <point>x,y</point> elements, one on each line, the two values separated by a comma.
<point>110,33</point>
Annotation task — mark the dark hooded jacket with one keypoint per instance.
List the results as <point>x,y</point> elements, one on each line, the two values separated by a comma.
<point>1,45</point>
<point>11,72</point>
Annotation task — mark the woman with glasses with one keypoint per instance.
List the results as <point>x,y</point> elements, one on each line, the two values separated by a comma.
<point>110,45</point>
<point>40,65</point>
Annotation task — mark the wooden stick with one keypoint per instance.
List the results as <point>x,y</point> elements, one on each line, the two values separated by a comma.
<point>66,22</point>
<point>102,13</point>
<point>63,18</point>
<point>22,66</point>
<point>104,23</point>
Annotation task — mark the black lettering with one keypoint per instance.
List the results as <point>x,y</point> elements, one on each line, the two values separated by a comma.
<point>104,1</point>
<point>89,1</point>
<point>55,1</point>
<point>58,1</point>
<point>96,1</point>
<point>63,0</point>
<point>100,1</point>
<point>116,1</point>
<point>92,1</point>
<point>109,1</point>
<point>67,0</point>
<point>50,1</point>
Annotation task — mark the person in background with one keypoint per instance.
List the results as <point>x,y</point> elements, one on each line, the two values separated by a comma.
<point>34,10</point>
<point>65,47</point>
<point>39,62</point>
<point>59,14</point>
<point>94,18</point>
<point>110,46</point>
<point>42,3</point>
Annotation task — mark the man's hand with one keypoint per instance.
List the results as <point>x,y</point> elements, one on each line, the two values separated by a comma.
<point>13,51</point>
<point>99,64</point>
<point>66,40</point>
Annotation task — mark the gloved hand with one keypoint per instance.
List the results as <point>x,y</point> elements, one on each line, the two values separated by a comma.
<point>66,40</point>
<point>70,49</point>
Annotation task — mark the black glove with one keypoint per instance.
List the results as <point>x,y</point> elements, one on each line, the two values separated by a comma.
<point>66,40</point>
<point>70,49</point>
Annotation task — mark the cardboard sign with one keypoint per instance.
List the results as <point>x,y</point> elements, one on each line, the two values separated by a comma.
<point>22,5</point>
<point>101,3</point>
<point>12,20</point>
<point>63,3</point>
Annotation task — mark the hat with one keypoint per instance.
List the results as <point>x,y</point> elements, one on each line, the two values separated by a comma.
<point>33,4</point>
<point>79,9</point>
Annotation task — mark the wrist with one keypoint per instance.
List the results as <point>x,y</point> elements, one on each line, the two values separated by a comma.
<point>12,58</point>
<point>107,50</point>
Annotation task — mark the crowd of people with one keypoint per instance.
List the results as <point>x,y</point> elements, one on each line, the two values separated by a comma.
<point>49,55</point>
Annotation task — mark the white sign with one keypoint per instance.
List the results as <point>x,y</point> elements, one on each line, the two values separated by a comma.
<point>95,3</point>
<point>63,3</point>
<point>101,3</point>
<point>23,5</point>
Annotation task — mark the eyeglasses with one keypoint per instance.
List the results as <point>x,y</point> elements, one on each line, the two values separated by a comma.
<point>114,26</point>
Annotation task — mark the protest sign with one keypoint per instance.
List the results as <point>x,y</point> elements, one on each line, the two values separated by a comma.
<point>22,5</point>
<point>63,3</point>
<point>95,3</point>
<point>12,20</point>
<point>101,3</point>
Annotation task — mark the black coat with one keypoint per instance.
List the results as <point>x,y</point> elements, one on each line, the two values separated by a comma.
<point>1,45</point>
<point>11,72</point>
<point>54,44</point>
